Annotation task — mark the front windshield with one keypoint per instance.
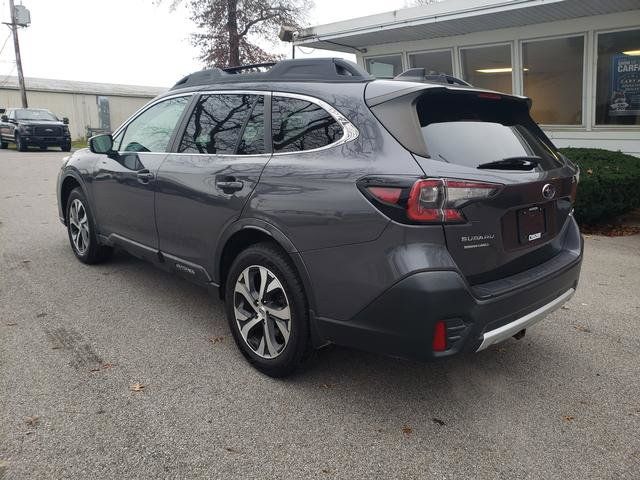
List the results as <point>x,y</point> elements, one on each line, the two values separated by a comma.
<point>33,114</point>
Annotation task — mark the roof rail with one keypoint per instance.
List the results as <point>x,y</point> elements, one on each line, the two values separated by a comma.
<point>337,70</point>
<point>253,67</point>
<point>421,75</point>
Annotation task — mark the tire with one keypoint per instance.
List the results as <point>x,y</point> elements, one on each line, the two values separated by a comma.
<point>4,145</point>
<point>43,148</point>
<point>66,147</point>
<point>21,145</point>
<point>82,231</point>
<point>260,329</point>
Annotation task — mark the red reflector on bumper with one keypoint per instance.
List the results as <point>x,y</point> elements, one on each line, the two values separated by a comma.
<point>439,343</point>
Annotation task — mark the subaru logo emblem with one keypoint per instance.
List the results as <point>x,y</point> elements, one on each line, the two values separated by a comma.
<point>48,130</point>
<point>548,191</point>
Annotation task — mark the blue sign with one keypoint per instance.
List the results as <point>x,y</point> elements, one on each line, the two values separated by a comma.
<point>625,85</point>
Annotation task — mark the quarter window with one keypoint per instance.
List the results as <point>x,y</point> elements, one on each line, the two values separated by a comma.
<point>152,129</point>
<point>216,123</point>
<point>301,125</point>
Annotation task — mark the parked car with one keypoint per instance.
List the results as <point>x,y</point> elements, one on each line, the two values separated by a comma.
<point>414,219</point>
<point>37,127</point>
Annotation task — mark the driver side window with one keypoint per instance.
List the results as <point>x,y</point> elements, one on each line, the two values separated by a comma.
<point>152,130</point>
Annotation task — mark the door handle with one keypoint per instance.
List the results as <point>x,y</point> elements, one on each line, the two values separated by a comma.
<point>144,176</point>
<point>229,184</point>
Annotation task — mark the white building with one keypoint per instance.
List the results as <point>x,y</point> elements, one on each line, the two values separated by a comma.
<point>87,105</point>
<point>579,60</point>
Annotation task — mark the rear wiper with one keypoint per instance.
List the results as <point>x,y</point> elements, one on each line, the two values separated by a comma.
<point>513,163</point>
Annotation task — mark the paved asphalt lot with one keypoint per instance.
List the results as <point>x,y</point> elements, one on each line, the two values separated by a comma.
<point>564,402</point>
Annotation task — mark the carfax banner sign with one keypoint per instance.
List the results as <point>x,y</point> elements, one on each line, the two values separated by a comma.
<point>625,85</point>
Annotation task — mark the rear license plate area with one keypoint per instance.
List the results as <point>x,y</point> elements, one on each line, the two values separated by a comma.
<point>532,224</point>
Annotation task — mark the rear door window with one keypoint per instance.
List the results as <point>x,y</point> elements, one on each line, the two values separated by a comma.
<point>299,125</point>
<point>216,124</point>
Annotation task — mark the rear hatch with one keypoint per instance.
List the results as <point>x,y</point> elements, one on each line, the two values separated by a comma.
<point>512,217</point>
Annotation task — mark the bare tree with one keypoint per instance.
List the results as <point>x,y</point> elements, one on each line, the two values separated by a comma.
<point>229,29</point>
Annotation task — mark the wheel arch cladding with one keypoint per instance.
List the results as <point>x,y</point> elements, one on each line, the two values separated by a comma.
<point>251,235</point>
<point>68,185</point>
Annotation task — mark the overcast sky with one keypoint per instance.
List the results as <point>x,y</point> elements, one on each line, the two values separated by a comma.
<point>130,41</point>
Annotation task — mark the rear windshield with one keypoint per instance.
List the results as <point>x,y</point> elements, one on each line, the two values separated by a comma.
<point>474,129</point>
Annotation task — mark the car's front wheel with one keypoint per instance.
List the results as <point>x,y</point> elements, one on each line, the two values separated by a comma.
<point>81,230</point>
<point>266,309</point>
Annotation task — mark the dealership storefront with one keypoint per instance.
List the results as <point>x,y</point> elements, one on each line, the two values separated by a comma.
<point>579,61</point>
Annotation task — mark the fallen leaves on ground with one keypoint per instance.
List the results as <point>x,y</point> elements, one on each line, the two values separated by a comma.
<point>137,387</point>
<point>569,418</point>
<point>582,328</point>
<point>41,315</point>
<point>104,366</point>
<point>216,339</point>
<point>407,431</point>
<point>12,324</point>
<point>438,421</point>
<point>326,470</point>
<point>32,421</point>
<point>327,386</point>
<point>232,450</point>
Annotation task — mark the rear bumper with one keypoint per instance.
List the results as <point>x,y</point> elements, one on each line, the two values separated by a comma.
<point>401,321</point>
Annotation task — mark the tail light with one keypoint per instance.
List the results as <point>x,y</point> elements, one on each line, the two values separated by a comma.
<point>433,200</point>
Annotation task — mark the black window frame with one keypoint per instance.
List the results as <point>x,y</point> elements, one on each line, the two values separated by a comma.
<point>184,122</point>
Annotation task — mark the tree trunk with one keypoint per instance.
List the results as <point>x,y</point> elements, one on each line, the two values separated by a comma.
<point>234,39</point>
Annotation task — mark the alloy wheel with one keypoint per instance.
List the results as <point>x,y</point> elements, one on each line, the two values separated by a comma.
<point>79,226</point>
<point>262,311</point>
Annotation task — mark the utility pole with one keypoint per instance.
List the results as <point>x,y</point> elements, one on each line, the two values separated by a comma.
<point>14,29</point>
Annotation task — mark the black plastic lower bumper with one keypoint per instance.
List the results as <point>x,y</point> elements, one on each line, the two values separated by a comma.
<point>47,141</point>
<point>401,321</point>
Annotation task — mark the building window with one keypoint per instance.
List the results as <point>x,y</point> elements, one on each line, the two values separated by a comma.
<point>384,67</point>
<point>618,78</point>
<point>553,73</point>
<point>488,67</point>
<point>436,62</point>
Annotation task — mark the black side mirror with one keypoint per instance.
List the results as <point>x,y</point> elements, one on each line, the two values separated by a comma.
<point>101,144</point>
<point>65,120</point>
<point>4,118</point>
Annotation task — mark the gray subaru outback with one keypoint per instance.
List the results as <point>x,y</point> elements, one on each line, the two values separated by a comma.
<point>418,217</point>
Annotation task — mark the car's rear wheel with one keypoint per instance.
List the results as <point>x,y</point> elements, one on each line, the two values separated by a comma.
<point>43,147</point>
<point>81,230</point>
<point>4,145</point>
<point>21,145</point>
<point>266,310</point>
<point>66,147</point>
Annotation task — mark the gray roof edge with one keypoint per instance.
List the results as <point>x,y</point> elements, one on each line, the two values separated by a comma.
<point>88,88</point>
